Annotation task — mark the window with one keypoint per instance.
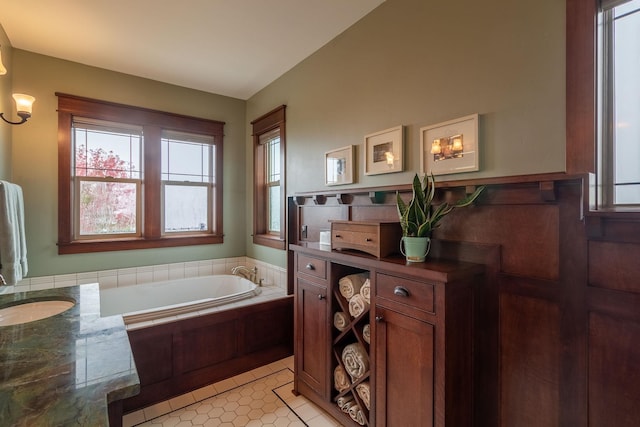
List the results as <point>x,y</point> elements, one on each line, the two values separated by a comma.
<point>187,182</point>
<point>106,179</point>
<point>619,107</point>
<point>269,161</point>
<point>133,178</point>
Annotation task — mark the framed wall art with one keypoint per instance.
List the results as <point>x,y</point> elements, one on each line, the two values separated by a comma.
<point>339,166</point>
<point>384,151</point>
<point>450,147</point>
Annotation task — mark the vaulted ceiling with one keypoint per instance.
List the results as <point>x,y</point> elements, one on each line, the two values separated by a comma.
<point>228,47</point>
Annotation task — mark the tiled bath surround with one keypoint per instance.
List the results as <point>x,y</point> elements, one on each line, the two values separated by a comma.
<point>271,275</point>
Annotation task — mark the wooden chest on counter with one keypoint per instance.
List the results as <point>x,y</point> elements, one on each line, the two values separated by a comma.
<point>379,239</point>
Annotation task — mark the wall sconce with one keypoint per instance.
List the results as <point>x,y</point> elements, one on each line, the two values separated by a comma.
<point>24,103</point>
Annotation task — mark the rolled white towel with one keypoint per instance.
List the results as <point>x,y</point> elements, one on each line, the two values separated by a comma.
<point>340,379</point>
<point>365,291</point>
<point>344,400</point>
<point>351,284</point>
<point>364,391</point>
<point>340,320</point>
<point>356,414</point>
<point>366,333</point>
<point>357,305</point>
<point>356,360</point>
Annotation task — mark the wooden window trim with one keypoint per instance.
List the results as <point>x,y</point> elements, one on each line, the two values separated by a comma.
<point>581,98</point>
<point>153,122</point>
<point>263,124</point>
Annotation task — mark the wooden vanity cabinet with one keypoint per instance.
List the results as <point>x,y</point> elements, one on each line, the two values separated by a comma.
<point>421,348</point>
<point>311,331</point>
<point>423,338</point>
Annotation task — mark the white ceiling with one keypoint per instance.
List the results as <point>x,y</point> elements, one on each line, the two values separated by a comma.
<point>228,47</point>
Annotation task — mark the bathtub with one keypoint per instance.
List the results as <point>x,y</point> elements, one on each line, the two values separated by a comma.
<point>157,300</point>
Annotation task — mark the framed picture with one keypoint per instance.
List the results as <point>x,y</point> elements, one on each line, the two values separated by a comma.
<point>384,152</point>
<point>339,164</point>
<point>450,147</point>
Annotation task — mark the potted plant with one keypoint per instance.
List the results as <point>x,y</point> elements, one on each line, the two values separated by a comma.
<point>419,217</point>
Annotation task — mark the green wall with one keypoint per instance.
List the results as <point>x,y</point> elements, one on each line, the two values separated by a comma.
<point>417,63</point>
<point>409,62</point>
<point>35,158</point>
<point>6,107</point>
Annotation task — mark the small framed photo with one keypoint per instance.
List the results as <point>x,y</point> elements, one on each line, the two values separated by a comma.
<point>384,151</point>
<point>339,166</point>
<point>450,147</point>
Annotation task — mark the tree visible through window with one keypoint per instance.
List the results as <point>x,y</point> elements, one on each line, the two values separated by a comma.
<point>134,178</point>
<point>107,182</point>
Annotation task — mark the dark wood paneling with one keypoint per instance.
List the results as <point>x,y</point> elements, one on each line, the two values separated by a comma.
<point>527,234</point>
<point>316,218</point>
<point>209,345</point>
<point>614,266</point>
<point>149,347</point>
<point>176,357</point>
<point>614,374</point>
<point>529,362</point>
<point>404,380</point>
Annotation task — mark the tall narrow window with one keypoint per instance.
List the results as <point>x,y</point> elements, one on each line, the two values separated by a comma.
<point>620,102</point>
<point>269,193</point>
<point>271,143</point>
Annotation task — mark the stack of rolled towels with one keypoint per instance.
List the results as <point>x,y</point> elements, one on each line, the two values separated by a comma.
<point>356,289</point>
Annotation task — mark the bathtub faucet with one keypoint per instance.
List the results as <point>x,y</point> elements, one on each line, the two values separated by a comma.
<point>247,273</point>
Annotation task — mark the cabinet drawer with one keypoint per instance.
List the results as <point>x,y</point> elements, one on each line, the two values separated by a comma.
<point>312,266</point>
<point>417,295</point>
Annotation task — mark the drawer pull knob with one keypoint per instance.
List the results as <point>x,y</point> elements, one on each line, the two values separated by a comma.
<point>368,239</point>
<point>338,236</point>
<point>310,267</point>
<point>401,291</point>
<point>379,319</point>
<point>321,297</point>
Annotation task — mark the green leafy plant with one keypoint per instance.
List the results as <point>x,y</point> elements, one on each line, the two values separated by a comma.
<point>420,217</point>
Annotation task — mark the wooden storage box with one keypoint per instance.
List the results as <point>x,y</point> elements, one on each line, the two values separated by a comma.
<point>377,238</point>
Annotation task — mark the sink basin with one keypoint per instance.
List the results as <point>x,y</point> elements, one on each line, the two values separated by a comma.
<point>32,311</point>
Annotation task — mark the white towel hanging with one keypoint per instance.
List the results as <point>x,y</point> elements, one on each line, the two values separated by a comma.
<point>13,246</point>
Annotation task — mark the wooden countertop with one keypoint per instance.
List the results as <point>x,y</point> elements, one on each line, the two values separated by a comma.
<point>65,369</point>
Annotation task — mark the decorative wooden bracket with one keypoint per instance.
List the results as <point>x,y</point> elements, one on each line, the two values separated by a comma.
<point>547,191</point>
<point>344,198</point>
<point>319,199</point>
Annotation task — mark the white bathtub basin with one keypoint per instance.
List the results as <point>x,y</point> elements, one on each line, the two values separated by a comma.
<point>32,311</point>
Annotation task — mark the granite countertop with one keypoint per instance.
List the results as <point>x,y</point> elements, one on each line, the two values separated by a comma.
<point>64,370</point>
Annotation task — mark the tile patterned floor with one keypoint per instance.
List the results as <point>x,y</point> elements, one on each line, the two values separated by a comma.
<point>261,397</point>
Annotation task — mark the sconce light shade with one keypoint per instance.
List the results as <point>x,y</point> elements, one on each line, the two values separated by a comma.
<point>3,70</point>
<point>24,106</point>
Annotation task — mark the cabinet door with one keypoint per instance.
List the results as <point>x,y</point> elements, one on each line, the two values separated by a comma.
<point>312,340</point>
<point>404,370</point>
